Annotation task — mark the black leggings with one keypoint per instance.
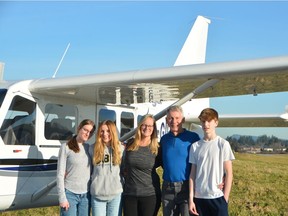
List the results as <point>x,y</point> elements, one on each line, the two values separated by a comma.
<point>141,206</point>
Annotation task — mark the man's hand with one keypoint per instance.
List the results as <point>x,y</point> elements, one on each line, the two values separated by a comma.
<point>221,186</point>
<point>192,208</point>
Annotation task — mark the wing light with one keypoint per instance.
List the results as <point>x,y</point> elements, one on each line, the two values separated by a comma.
<point>285,115</point>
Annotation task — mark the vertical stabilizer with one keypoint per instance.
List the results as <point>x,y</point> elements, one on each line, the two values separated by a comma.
<point>194,48</point>
<point>1,70</point>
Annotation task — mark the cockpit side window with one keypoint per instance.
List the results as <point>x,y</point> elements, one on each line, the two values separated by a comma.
<point>18,127</point>
<point>60,121</point>
<point>127,122</point>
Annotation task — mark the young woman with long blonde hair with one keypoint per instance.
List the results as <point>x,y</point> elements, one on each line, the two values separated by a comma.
<point>106,187</point>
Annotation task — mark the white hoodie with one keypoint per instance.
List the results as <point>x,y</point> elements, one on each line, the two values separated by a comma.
<point>106,181</point>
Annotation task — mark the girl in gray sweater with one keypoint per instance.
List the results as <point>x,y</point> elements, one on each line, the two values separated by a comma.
<point>73,172</point>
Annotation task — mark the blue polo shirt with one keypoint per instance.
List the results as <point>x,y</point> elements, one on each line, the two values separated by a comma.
<point>175,155</point>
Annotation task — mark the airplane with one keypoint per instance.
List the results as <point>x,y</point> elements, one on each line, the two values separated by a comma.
<point>38,116</point>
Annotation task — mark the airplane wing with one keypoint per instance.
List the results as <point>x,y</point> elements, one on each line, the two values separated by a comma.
<point>189,78</point>
<point>255,76</point>
<point>248,120</point>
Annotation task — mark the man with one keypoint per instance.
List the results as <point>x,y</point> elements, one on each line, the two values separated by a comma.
<point>211,160</point>
<point>174,150</point>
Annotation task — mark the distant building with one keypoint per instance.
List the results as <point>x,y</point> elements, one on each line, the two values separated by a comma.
<point>267,149</point>
<point>253,150</point>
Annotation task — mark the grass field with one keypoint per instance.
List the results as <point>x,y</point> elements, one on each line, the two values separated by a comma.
<point>260,187</point>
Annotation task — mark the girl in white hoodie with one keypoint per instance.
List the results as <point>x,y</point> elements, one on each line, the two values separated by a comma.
<point>106,186</point>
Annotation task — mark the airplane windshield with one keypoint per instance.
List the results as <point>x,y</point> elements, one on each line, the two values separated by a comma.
<point>2,95</point>
<point>18,127</point>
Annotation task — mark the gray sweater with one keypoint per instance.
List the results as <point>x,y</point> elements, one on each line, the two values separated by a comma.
<point>106,182</point>
<point>73,171</point>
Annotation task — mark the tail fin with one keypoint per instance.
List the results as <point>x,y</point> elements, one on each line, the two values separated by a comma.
<point>194,48</point>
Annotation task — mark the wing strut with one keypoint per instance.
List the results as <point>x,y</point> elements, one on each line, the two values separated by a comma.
<point>43,191</point>
<point>193,94</point>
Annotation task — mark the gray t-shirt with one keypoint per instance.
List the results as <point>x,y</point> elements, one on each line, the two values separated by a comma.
<point>141,178</point>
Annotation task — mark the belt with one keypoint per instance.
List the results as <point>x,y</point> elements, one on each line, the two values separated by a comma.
<point>173,184</point>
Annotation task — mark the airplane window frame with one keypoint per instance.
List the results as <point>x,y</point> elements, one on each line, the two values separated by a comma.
<point>18,127</point>
<point>106,114</point>
<point>60,121</point>
<point>127,122</point>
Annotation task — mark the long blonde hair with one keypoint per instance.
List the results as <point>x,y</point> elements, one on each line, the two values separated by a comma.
<point>99,147</point>
<point>154,140</point>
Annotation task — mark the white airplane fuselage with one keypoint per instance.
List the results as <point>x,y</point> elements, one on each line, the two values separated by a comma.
<point>32,128</point>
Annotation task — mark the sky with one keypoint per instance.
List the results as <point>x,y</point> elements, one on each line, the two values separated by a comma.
<point>109,36</point>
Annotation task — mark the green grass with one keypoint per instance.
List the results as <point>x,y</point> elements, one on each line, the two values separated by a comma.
<point>260,185</point>
<point>259,188</point>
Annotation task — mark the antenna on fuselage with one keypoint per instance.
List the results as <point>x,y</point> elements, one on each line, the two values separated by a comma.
<point>61,61</point>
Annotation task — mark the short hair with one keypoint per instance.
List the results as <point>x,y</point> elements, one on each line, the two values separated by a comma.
<point>175,108</point>
<point>208,114</point>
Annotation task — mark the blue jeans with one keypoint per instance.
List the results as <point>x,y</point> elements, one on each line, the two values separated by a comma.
<point>79,204</point>
<point>106,207</point>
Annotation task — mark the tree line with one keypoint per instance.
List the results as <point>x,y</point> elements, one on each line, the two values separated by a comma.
<point>238,143</point>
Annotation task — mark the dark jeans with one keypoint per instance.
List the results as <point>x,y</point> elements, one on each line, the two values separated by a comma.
<point>212,207</point>
<point>175,196</point>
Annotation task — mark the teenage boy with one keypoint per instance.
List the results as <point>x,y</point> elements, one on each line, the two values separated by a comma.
<point>211,159</point>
